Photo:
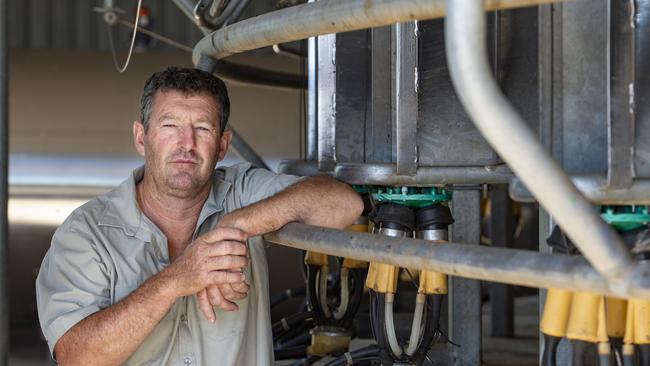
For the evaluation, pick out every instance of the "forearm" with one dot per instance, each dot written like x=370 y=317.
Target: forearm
x=112 y=335
x=319 y=201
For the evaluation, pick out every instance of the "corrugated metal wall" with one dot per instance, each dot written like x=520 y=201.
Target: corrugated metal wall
x=74 y=24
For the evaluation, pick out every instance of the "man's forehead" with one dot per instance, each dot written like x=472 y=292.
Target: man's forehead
x=165 y=102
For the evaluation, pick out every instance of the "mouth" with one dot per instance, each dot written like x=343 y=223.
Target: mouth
x=183 y=161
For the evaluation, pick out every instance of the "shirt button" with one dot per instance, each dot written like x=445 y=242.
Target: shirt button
x=187 y=361
x=184 y=320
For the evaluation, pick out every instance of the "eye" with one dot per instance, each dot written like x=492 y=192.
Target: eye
x=168 y=125
x=203 y=129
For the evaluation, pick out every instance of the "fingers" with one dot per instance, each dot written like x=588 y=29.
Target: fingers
x=217 y=299
x=234 y=291
x=222 y=277
x=227 y=247
x=240 y=287
x=227 y=262
x=223 y=233
x=206 y=306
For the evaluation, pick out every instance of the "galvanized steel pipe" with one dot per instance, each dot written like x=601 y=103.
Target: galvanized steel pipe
x=516 y=143
x=325 y=17
x=517 y=267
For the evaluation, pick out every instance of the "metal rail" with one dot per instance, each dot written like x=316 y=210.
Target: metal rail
x=510 y=136
x=595 y=188
x=325 y=17
x=517 y=267
x=386 y=174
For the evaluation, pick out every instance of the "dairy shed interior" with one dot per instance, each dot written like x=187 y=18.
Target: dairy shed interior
x=501 y=148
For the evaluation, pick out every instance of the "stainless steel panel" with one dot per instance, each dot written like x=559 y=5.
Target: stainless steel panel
x=642 y=90
x=621 y=94
x=585 y=59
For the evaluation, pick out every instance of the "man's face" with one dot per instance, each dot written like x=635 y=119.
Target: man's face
x=183 y=142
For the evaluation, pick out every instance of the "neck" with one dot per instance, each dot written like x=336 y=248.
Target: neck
x=175 y=216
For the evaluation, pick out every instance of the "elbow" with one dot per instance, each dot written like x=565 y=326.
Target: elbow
x=357 y=205
x=352 y=207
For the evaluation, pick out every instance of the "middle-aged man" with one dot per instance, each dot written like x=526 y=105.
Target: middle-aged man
x=157 y=272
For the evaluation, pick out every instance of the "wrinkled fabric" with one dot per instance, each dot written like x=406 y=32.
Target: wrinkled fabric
x=106 y=248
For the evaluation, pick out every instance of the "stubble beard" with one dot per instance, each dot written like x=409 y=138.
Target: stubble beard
x=177 y=181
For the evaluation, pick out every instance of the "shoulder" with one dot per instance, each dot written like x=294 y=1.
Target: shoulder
x=234 y=172
x=84 y=216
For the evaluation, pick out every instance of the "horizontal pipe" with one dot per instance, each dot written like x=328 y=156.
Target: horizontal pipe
x=595 y=189
x=385 y=174
x=507 y=132
x=512 y=266
x=325 y=17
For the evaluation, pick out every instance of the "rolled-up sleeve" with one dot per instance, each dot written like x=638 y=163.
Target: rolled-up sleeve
x=258 y=184
x=73 y=282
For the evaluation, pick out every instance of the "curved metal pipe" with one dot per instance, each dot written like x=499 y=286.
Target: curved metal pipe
x=324 y=17
x=512 y=266
x=242 y=73
x=509 y=135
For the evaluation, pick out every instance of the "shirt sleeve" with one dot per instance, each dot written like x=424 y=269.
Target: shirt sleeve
x=72 y=283
x=257 y=184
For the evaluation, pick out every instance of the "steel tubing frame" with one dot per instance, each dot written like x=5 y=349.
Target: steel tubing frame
x=509 y=135
x=512 y=266
x=325 y=17
x=386 y=174
x=595 y=189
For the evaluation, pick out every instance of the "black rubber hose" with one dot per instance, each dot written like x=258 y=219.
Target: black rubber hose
x=295 y=331
x=629 y=360
x=549 y=354
x=357 y=279
x=291 y=321
x=378 y=315
x=617 y=350
x=433 y=307
x=290 y=353
x=361 y=354
x=300 y=340
x=313 y=273
x=306 y=361
x=583 y=353
x=287 y=294
x=644 y=353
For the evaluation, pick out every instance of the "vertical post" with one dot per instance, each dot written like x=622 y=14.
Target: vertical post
x=405 y=84
x=501 y=231
x=312 y=98
x=326 y=102
x=4 y=190
x=465 y=294
x=551 y=73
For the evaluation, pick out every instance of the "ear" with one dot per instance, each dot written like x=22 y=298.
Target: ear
x=138 y=137
x=224 y=143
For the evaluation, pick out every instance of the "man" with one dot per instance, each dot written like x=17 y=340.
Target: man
x=156 y=272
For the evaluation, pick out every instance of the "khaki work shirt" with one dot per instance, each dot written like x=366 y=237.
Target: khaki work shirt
x=107 y=248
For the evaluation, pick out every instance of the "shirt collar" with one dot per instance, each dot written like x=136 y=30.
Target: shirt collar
x=122 y=209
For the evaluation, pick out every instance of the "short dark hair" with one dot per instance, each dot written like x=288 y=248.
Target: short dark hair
x=188 y=81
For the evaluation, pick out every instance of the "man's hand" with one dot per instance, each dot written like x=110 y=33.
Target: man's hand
x=224 y=295
x=215 y=258
x=221 y=296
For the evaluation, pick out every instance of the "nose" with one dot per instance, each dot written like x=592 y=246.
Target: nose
x=187 y=138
